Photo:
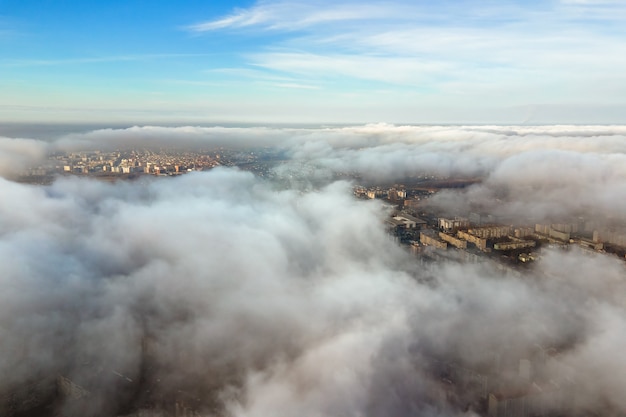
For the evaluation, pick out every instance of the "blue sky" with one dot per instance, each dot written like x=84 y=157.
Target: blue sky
x=416 y=61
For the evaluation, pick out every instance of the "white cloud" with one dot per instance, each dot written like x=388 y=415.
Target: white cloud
x=295 y=86
x=16 y=155
x=594 y=2
x=90 y=60
x=263 y=300
x=549 y=171
x=509 y=54
x=296 y=15
x=395 y=70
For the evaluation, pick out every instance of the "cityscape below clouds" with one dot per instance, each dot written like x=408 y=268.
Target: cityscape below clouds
x=278 y=208
x=358 y=270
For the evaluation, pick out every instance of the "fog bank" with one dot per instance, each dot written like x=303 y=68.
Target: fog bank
x=258 y=301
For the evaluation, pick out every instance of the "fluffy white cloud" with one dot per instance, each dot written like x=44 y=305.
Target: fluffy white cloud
x=536 y=172
x=258 y=301
x=16 y=155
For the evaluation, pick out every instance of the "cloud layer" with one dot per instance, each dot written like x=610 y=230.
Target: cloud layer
x=258 y=302
x=234 y=297
x=532 y=173
x=19 y=154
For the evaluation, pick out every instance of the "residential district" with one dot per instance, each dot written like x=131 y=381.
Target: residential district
x=124 y=164
x=506 y=385
x=484 y=236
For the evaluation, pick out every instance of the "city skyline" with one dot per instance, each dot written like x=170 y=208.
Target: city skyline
x=520 y=62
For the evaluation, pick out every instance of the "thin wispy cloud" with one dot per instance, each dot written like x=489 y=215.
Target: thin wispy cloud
x=509 y=51
x=252 y=74
x=607 y=11
x=91 y=60
x=593 y=2
x=295 y=86
x=397 y=70
x=298 y=15
x=306 y=16
x=379 y=60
